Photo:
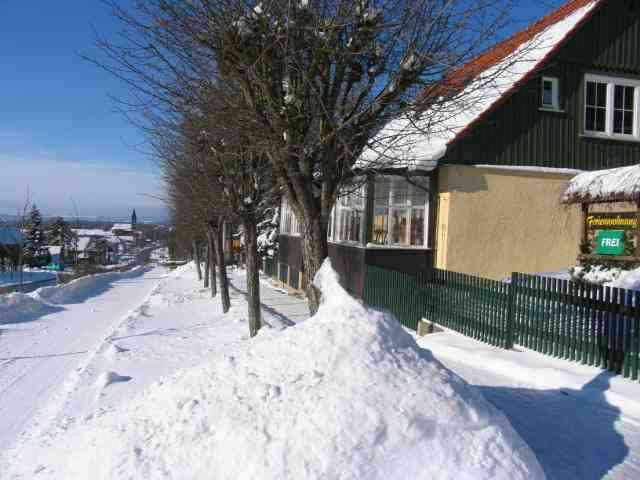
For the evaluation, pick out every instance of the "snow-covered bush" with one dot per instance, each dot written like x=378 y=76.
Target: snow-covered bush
x=268 y=235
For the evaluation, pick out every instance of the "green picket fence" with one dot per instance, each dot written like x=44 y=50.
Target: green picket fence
x=594 y=325
x=270 y=267
x=473 y=306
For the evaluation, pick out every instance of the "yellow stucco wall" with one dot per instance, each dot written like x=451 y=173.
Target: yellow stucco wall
x=492 y=222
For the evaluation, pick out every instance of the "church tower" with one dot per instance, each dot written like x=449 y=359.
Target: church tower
x=134 y=219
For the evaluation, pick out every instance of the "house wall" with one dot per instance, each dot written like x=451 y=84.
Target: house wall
x=350 y=261
x=518 y=132
x=492 y=222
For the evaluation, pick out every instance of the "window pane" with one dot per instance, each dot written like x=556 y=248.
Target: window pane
x=380 y=231
x=590 y=120
x=419 y=191
x=547 y=92
x=628 y=100
x=382 y=190
x=617 y=121
x=400 y=191
x=628 y=123
x=601 y=116
x=623 y=110
x=591 y=93
x=417 y=226
x=602 y=95
x=354 y=224
x=618 y=97
x=398 y=227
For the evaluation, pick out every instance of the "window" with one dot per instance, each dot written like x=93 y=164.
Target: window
x=400 y=211
x=596 y=107
x=289 y=223
x=611 y=106
x=550 y=93
x=348 y=215
x=623 y=110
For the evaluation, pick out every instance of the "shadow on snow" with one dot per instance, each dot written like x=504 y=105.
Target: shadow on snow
x=572 y=432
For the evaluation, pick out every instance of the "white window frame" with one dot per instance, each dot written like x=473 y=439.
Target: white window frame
x=611 y=83
x=555 y=93
x=335 y=233
x=289 y=224
x=390 y=206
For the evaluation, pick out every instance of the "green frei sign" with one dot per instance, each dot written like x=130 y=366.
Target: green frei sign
x=610 y=242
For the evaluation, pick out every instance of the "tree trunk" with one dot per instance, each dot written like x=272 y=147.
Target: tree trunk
x=223 y=281
x=196 y=258
x=207 y=263
x=212 y=264
x=314 y=250
x=253 y=278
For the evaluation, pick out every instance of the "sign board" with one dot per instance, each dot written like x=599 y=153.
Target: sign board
x=610 y=242
x=612 y=221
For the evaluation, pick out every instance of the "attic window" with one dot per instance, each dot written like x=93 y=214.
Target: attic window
x=550 y=93
x=610 y=107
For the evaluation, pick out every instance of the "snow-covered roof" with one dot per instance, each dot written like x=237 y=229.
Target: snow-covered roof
x=122 y=226
x=92 y=232
x=418 y=143
x=83 y=243
x=614 y=185
x=54 y=250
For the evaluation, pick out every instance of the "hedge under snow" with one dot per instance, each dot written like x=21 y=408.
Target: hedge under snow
x=346 y=395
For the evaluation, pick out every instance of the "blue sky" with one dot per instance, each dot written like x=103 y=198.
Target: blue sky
x=60 y=136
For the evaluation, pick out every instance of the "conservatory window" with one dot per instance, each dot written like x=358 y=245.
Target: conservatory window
x=611 y=106
x=400 y=211
x=289 y=223
x=347 y=216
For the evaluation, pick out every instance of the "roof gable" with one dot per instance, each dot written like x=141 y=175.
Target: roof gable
x=476 y=90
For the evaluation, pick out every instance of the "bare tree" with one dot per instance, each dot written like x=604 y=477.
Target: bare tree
x=319 y=78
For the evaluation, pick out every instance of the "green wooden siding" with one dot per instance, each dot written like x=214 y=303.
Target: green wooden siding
x=519 y=133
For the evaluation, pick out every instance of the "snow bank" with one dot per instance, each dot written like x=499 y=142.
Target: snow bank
x=614 y=184
x=627 y=279
x=609 y=276
x=21 y=307
x=84 y=287
x=345 y=395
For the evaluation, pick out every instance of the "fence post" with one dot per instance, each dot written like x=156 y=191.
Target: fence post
x=511 y=313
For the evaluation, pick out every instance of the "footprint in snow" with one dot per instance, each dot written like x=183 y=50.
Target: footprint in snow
x=108 y=378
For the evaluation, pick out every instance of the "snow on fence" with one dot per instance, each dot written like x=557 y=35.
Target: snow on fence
x=594 y=325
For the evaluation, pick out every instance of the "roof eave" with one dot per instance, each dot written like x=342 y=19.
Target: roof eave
x=526 y=78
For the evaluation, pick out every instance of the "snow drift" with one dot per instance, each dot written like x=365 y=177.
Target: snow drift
x=85 y=287
x=21 y=307
x=346 y=395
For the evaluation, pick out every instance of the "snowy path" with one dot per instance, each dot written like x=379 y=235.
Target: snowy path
x=149 y=327
x=37 y=358
x=580 y=422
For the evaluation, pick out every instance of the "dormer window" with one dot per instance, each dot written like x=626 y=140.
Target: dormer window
x=550 y=93
x=610 y=107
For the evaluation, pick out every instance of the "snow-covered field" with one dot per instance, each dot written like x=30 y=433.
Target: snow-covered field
x=176 y=390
